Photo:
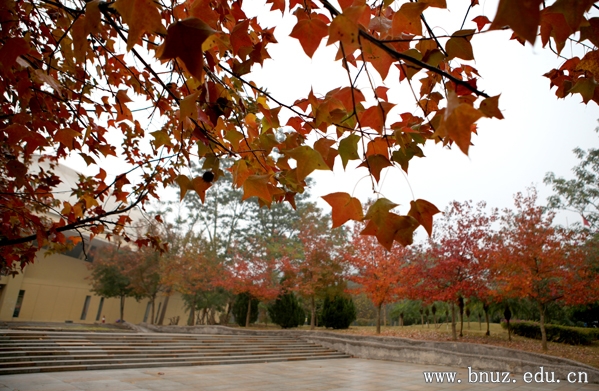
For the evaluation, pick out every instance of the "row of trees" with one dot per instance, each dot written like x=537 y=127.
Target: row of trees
x=224 y=248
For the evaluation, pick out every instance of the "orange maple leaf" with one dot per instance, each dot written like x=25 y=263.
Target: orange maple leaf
x=345 y=208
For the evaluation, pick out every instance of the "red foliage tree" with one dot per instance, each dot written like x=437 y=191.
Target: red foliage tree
x=381 y=274
x=257 y=276
x=452 y=267
x=540 y=261
x=319 y=266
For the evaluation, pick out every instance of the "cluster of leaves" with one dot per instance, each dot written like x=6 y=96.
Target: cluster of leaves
x=71 y=73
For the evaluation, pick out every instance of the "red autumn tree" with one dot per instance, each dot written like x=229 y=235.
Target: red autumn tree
x=255 y=275
x=542 y=262
x=81 y=78
x=381 y=274
x=319 y=265
x=452 y=267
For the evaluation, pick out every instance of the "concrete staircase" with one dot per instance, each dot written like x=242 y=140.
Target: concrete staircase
x=46 y=351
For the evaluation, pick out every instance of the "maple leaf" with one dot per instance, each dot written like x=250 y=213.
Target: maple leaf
x=257 y=186
x=378 y=58
x=66 y=137
x=490 y=107
x=348 y=149
x=344 y=30
x=184 y=185
x=141 y=16
x=590 y=63
x=458 y=121
x=377 y=212
x=523 y=16
x=310 y=32
x=392 y=228
x=423 y=211
x=481 y=21
x=374 y=117
x=184 y=40
x=375 y=163
x=307 y=160
x=407 y=19
x=345 y=208
x=459 y=45
x=200 y=186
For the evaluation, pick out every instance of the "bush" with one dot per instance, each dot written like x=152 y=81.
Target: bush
x=287 y=311
x=240 y=309
x=555 y=333
x=338 y=312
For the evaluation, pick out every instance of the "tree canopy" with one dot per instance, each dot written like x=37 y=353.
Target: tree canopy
x=162 y=84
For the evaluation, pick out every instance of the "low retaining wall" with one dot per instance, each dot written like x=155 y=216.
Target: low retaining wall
x=456 y=354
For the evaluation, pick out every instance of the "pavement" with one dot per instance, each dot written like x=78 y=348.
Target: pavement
x=350 y=374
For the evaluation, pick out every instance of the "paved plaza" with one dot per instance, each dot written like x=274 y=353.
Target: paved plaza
x=350 y=374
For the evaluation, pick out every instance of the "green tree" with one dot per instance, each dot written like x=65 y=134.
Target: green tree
x=338 y=312
x=580 y=194
x=287 y=311
x=240 y=309
x=109 y=278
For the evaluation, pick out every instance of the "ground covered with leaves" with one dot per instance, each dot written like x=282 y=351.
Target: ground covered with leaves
x=499 y=337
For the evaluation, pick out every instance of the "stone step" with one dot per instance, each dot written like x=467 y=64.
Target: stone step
x=157 y=354
x=166 y=360
x=29 y=352
x=155 y=364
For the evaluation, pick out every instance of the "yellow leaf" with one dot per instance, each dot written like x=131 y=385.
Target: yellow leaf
x=141 y=16
x=307 y=160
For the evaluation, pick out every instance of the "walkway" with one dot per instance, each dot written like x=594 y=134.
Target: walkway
x=332 y=375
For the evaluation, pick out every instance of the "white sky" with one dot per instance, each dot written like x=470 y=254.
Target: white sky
x=537 y=135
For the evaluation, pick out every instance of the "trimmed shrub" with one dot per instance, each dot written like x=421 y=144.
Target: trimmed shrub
x=338 y=312
x=240 y=309
x=287 y=311
x=555 y=333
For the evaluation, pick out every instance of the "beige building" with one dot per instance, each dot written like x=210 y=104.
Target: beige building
x=56 y=288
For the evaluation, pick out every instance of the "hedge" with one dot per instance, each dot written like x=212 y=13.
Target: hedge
x=555 y=333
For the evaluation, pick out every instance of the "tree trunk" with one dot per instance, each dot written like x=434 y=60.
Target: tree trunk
x=122 y=308
x=247 y=316
x=378 y=319
x=542 y=324
x=461 y=305
x=313 y=310
x=163 y=311
x=385 y=315
x=192 y=315
x=454 y=334
x=480 y=322
x=401 y=319
x=153 y=301
x=486 y=309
